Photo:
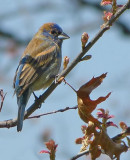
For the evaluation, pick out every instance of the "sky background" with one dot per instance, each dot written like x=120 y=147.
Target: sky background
x=22 y=19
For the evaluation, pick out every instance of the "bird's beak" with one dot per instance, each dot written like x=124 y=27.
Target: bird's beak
x=63 y=36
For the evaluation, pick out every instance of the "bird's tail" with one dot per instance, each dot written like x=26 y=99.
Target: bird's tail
x=20 y=119
x=22 y=102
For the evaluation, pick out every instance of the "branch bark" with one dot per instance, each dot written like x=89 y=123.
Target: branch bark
x=80 y=155
x=60 y=110
x=42 y=98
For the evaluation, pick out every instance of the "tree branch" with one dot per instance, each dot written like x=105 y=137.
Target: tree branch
x=80 y=155
x=60 y=110
x=13 y=37
x=2 y=95
x=42 y=98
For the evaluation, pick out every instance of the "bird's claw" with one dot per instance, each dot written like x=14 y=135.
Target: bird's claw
x=58 y=80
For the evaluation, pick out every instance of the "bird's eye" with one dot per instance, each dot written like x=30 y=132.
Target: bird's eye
x=59 y=32
x=53 y=32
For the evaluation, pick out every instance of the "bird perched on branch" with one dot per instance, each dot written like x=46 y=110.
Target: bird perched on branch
x=39 y=65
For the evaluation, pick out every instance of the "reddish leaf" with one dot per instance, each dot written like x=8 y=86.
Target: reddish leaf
x=123 y=126
x=104 y=114
x=51 y=145
x=106 y=2
x=110 y=123
x=107 y=16
x=44 y=151
x=102 y=110
x=78 y=140
x=88 y=87
x=85 y=104
x=84 y=128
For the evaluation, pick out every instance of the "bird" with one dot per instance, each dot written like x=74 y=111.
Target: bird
x=38 y=66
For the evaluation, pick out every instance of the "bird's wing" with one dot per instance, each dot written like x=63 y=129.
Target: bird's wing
x=30 y=69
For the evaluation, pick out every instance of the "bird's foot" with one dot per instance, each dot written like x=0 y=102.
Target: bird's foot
x=55 y=78
x=58 y=80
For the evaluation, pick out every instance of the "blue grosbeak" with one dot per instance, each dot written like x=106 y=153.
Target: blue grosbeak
x=39 y=65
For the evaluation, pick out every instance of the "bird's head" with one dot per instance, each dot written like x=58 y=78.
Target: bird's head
x=53 y=31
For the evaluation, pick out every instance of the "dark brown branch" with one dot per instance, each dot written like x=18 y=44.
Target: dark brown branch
x=80 y=155
x=60 y=110
x=122 y=135
x=13 y=37
x=42 y=98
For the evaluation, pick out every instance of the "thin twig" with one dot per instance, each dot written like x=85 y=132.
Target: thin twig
x=42 y=98
x=80 y=155
x=122 y=135
x=60 y=110
x=69 y=85
x=2 y=98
